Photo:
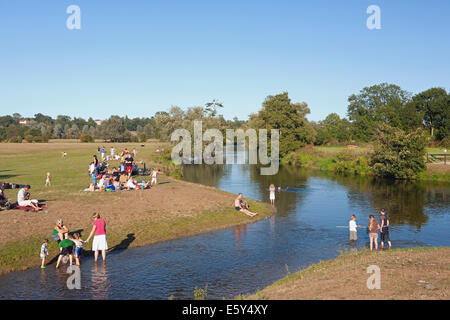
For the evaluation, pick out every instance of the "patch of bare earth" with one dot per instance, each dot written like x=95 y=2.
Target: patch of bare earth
x=437 y=168
x=421 y=273
x=166 y=201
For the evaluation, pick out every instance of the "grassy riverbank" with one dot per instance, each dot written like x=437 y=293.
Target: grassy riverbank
x=417 y=273
x=344 y=161
x=172 y=209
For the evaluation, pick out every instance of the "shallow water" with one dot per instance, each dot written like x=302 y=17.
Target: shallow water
x=244 y=259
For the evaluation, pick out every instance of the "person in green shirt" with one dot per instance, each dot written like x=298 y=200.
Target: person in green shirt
x=66 y=248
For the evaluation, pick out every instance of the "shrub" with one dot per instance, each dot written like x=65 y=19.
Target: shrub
x=29 y=138
x=143 y=137
x=398 y=154
x=86 y=138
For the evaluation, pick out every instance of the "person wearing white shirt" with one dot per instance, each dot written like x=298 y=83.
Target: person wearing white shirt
x=352 y=227
x=130 y=184
x=24 y=201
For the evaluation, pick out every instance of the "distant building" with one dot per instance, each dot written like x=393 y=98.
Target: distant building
x=23 y=121
x=99 y=122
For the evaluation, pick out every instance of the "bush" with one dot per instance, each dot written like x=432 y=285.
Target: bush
x=398 y=154
x=86 y=138
x=29 y=138
x=38 y=139
x=143 y=137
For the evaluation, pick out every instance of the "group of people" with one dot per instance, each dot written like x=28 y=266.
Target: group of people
x=107 y=179
x=373 y=228
x=71 y=245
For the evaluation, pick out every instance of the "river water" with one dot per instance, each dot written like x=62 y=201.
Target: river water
x=244 y=259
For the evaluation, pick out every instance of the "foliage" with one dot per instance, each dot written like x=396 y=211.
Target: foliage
x=398 y=154
x=86 y=138
x=290 y=118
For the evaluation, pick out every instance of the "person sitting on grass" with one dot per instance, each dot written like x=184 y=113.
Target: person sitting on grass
x=23 y=199
x=130 y=184
x=3 y=199
x=238 y=206
x=66 y=249
x=44 y=253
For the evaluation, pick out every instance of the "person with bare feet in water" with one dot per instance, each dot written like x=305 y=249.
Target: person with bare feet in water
x=238 y=206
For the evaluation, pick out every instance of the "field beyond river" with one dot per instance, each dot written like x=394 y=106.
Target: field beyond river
x=169 y=210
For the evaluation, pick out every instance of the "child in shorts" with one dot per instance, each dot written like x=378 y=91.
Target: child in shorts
x=352 y=227
x=79 y=243
x=44 y=252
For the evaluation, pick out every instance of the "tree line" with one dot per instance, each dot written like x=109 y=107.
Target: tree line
x=384 y=103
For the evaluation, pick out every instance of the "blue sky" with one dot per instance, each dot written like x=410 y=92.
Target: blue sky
x=138 y=57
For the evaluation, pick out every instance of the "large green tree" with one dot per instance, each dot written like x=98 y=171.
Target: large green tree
x=382 y=103
x=434 y=106
x=278 y=112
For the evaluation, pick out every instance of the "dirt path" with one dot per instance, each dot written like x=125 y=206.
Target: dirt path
x=419 y=273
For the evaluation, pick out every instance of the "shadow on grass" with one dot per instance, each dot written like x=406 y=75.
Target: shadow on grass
x=7 y=176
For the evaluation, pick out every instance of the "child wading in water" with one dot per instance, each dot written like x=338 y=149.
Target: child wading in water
x=272 y=194
x=79 y=243
x=373 y=232
x=44 y=252
x=66 y=249
x=352 y=227
x=384 y=229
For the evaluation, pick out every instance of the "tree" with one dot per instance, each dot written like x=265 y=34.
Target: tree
x=290 y=118
x=398 y=154
x=381 y=103
x=434 y=105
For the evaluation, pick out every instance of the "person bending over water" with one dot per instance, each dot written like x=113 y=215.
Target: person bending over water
x=238 y=206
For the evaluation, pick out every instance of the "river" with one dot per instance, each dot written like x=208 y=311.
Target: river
x=244 y=259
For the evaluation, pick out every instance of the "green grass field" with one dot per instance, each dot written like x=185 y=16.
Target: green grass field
x=29 y=164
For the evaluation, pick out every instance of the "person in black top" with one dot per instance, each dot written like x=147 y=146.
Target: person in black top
x=129 y=164
x=384 y=229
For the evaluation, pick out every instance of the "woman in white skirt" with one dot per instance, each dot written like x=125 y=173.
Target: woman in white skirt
x=99 y=232
x=272 y=194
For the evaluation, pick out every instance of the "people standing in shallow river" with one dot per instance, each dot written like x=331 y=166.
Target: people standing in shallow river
x=384 y=229
x=272 y=194
x=100 y=243
x=238 y=206
x=373 y=232
x=352 y=227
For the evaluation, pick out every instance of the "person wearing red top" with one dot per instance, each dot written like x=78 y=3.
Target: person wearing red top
x=99 y=232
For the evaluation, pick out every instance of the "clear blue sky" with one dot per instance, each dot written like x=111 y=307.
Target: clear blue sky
x=138 y=57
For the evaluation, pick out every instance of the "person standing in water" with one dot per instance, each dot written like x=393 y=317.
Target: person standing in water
x=384 y=229
x=100 y=243
x=352 y=227
x=373 y=232
x=272 y=194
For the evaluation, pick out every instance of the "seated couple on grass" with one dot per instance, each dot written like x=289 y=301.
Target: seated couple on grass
x=242 y=206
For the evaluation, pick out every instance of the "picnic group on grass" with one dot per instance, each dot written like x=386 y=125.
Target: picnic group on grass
x=104 y=178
